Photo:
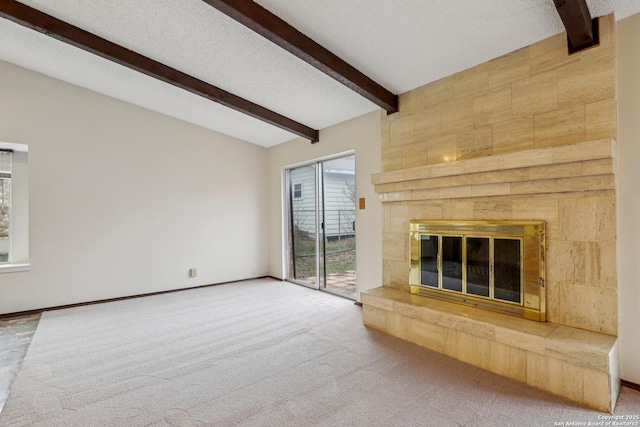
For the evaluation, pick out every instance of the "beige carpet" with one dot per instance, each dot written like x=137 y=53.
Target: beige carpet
x=257 y=353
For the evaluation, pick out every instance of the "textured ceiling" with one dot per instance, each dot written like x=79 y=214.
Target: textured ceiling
x=401 y=45
x=406 y=44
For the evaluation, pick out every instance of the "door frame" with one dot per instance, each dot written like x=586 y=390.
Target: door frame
x=287 y=197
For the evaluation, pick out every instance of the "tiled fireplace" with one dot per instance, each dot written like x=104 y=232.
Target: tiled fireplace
x=529 y=136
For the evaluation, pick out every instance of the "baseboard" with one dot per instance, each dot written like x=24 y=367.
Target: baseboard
x=81 y=304
x=631 y=385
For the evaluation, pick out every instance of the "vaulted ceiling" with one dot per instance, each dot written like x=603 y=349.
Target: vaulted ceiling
x=399 y=44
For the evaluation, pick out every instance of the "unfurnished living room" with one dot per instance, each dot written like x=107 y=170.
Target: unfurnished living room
x=319 y=213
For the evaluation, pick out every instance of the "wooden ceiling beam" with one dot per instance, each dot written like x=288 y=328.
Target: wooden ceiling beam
x=582 y=31
x=270 y=26
x=60 y=30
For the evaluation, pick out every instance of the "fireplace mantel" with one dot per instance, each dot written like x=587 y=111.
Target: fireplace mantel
x=586 y=166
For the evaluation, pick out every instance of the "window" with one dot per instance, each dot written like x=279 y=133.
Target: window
x=14 y=207
x=297 y=191
x=5 y=204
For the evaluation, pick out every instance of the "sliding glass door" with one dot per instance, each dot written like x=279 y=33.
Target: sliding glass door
x=303 y=220
x=321 y=228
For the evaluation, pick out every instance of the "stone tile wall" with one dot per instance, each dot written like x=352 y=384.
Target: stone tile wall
x=535 y=98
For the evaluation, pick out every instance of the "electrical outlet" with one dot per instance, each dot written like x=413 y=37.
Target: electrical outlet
x=193 y=272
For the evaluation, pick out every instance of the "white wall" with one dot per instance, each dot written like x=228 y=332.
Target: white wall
x=362 y=135
x=124 y=200
x=628 y=195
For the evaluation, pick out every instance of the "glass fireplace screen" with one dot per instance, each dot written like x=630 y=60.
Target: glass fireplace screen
x=492 y=265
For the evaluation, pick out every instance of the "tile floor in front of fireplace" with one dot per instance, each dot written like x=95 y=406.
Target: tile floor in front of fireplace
x=15 y=336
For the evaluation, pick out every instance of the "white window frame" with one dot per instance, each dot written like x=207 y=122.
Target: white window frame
x=19 y=220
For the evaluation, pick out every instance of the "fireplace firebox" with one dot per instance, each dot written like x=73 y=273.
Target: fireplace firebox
x=493 y=265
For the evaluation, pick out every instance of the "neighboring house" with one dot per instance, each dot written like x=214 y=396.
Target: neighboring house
x=339 y=202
